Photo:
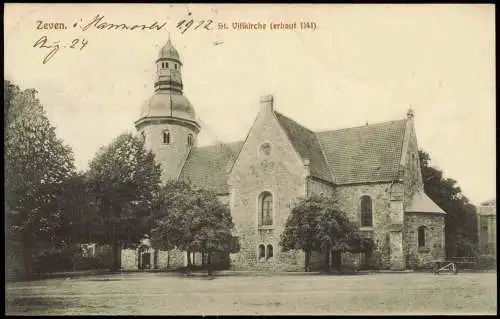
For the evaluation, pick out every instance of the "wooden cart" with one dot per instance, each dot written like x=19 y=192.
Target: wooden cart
x=451 y=265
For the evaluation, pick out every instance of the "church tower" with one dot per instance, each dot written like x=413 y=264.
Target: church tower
x=167 y=121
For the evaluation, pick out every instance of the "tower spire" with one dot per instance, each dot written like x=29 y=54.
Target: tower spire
x=168 y=69
x=410 y=114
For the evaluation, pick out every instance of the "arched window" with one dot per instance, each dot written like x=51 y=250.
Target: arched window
x=262 y=251
x=269 y=251
x=175 y=65
x=421 y=236
x=190 y=139
x=166 y=137
x=166 y=65
x=266 y=209
x=366 y=211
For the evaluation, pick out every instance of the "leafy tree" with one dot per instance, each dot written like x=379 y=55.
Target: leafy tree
x=170 y=220
x=75 y=208
x=316 y=224
x=193 y=220
x=37 y=164
x=123 y=182
x=211 y=226
x=460 y=221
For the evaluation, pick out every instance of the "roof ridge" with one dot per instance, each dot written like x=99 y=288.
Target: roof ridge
x=329 y=167
x=359 y=126
x=218 y=144
x=295 y=122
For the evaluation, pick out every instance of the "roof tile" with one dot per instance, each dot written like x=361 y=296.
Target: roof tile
x=367 y=153
x=306 y=143
x=207 y=166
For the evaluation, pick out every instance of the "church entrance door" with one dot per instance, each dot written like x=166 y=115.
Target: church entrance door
x=144 y=258
x=146 y=261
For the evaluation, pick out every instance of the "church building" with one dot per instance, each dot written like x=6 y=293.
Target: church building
x=372 y=170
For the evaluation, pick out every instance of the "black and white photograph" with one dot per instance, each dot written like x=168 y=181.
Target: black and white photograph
x=249 y=159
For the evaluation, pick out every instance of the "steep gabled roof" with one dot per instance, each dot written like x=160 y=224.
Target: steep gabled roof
x=421 y=203
x=367 y=153
x=370 y=153
x=306 y=144
x=207 y=166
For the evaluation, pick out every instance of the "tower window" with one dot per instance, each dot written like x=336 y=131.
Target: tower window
x=175 y=65
x=421 y=237
x=190 y=139
x=266 y=209
x=166 y=65
x=366 y=211
x=166 y=137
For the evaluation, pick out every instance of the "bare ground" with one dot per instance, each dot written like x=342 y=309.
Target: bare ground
x=163 y=294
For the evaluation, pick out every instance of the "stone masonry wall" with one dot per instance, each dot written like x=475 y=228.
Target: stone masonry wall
x=170 y=259
x=315 y=187
x=434 y=238
x=412 y=176
x=349 y=199
x=171 y=156
x=129 y=259
x=281 y=173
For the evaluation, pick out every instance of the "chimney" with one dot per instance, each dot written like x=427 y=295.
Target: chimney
x=266 y=103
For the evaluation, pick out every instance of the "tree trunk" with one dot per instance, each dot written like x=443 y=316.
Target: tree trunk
x=209 y=263
x=116 y=255
x=336 y=259
x=307 y=260
x=168 y=259
x=327 y=260
x=188 y=259
x=26 y=262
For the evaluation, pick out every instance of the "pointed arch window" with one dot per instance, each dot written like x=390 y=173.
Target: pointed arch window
x=166 y=137
x=421 y=236
x=270 y=252
x=262 y=251
x=266 y=209
x=366 y=211
x=190 y=139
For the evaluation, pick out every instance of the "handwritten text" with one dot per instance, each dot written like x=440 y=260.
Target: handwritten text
x=55 y=46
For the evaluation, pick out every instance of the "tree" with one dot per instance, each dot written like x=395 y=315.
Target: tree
x=211 y=226
x=316 y=224
x=37 y=164
x=170 y=224
x=460 y=221
x=124 y=181
x=193 y=220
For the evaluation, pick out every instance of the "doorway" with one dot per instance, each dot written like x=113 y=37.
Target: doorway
x=144 y=258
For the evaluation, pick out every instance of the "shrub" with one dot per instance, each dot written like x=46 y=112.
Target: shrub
x=412 y=261
x=52 y=260
x=100 y=261
x=486 y=262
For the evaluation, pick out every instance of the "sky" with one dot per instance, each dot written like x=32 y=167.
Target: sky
x=361 y=64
